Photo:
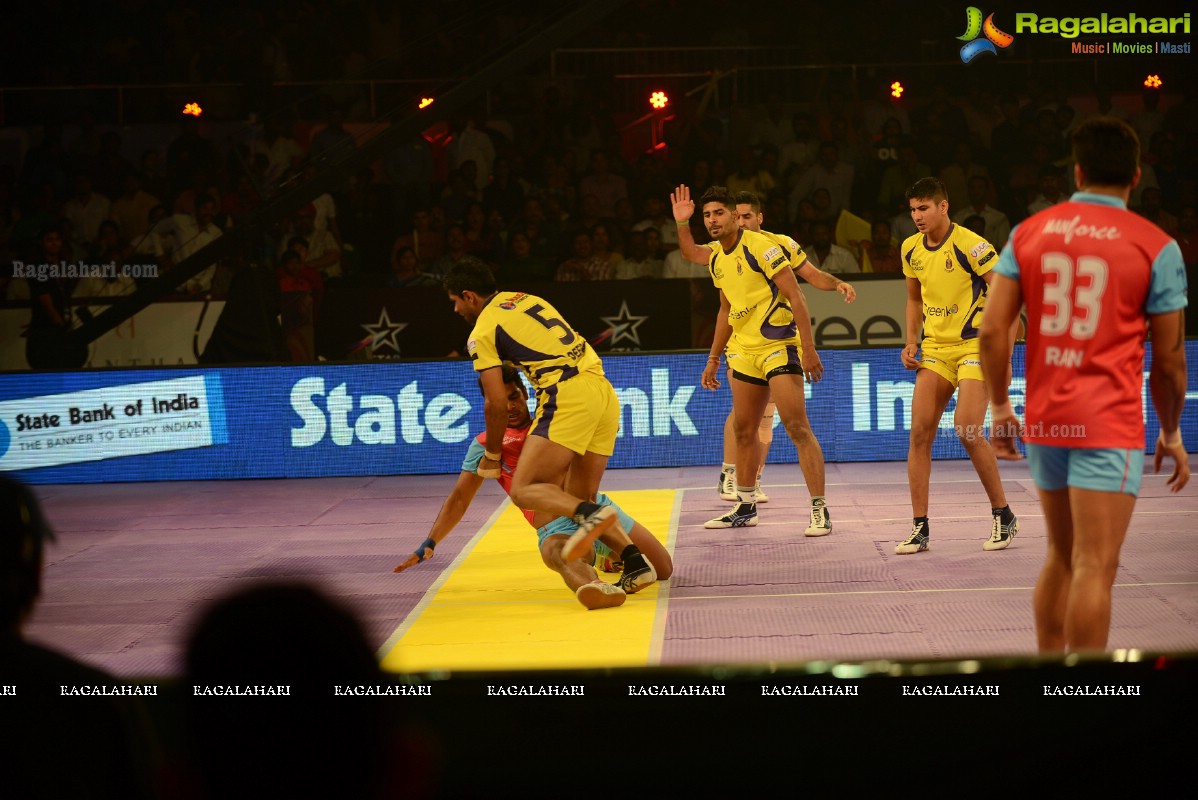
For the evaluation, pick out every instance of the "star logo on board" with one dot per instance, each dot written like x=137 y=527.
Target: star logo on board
x=383 y=332
x=624 y=325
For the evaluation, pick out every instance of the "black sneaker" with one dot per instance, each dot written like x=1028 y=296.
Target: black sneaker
x=743 y=516
x=638 y=574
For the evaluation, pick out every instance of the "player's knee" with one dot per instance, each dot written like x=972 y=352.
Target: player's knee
x=970 y=435
x=664 y=569
x=922 y=436
x=799 y=431
x=551 y=553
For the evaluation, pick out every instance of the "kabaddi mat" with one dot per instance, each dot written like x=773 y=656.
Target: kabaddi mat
x=135 y=564
x=498 y=607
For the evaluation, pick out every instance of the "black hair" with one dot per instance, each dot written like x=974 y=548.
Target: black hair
x=927 y=189
x=470 y=276
x=1107 y=150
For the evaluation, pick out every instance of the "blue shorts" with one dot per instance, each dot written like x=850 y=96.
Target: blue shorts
x=564 y=526
x=1098 y=469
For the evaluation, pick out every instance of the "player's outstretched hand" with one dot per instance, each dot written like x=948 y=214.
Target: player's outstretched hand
x=423 y=553
x=813 y=368
x=846 y=289
x=911 y=356
x=684 y=207
x=410 y=561
x=1175 y=449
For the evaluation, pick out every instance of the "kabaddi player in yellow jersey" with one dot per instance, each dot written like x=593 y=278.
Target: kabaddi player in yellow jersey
x=948 y=269
x=578 y=414
x=765 y=327
x=749 y=216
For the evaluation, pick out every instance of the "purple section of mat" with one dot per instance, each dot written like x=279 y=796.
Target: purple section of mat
x=135 y=564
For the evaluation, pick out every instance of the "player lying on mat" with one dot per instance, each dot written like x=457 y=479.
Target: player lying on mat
x=552 y=532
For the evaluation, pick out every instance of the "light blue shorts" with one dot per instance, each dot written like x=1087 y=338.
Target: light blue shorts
x=564 y=526
x=1098 y=469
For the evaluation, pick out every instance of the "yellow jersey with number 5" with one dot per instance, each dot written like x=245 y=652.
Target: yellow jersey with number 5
x=527 y=331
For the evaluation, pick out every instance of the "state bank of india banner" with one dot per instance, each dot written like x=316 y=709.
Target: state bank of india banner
x=408 y=418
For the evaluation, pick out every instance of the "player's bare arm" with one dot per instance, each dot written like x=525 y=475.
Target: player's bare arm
x=1167 y=383
x=1003 y=301
x=723 y=332
x=788 y=285
x=914 y=319
x=825 y=281
x=684 y=209
x=451 y=513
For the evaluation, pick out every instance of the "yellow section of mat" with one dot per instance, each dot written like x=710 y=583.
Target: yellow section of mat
x=502 y=608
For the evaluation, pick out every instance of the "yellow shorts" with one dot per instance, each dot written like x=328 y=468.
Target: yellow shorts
x=953 y=362
x=581 y=413
x=758 y=363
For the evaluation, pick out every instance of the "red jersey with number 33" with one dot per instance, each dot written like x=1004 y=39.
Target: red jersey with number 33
x=1086 y=271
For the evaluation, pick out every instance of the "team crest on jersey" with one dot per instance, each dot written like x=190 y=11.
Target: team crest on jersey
x=510 y=305
x=948 y=262
x=978 y=249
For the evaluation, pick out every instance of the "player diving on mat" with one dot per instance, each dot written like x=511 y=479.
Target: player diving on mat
x=552 y=532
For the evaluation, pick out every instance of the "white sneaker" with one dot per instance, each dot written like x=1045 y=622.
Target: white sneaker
x=917 y=542
x=600 y=595
x=760 y=496
x=589 y=529
x=727 y=486
x=821 y=522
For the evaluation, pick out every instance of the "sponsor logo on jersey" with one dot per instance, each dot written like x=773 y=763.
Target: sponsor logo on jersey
x=772 y=254
x=510 y=305
x=987 y=257
x=979 y=248
x=939 y=311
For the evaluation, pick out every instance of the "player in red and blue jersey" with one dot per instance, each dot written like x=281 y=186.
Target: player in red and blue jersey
x=1094 y=277
x=552 y=532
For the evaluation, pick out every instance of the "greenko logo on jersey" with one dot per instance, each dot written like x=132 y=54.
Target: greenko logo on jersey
x=994 y=38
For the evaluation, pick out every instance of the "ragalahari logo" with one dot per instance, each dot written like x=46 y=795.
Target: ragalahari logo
x=974 y=26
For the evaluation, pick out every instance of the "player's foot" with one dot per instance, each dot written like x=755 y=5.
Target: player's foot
x=727 y=486
x=590 y=528
x=743 y=516
x=917 y=542
x=600 y=595
x=760 y=496
x=1001 y=535
x=821 y=521
x=638 y=574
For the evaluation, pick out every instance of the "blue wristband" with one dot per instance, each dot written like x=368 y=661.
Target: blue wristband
x=427 y=543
